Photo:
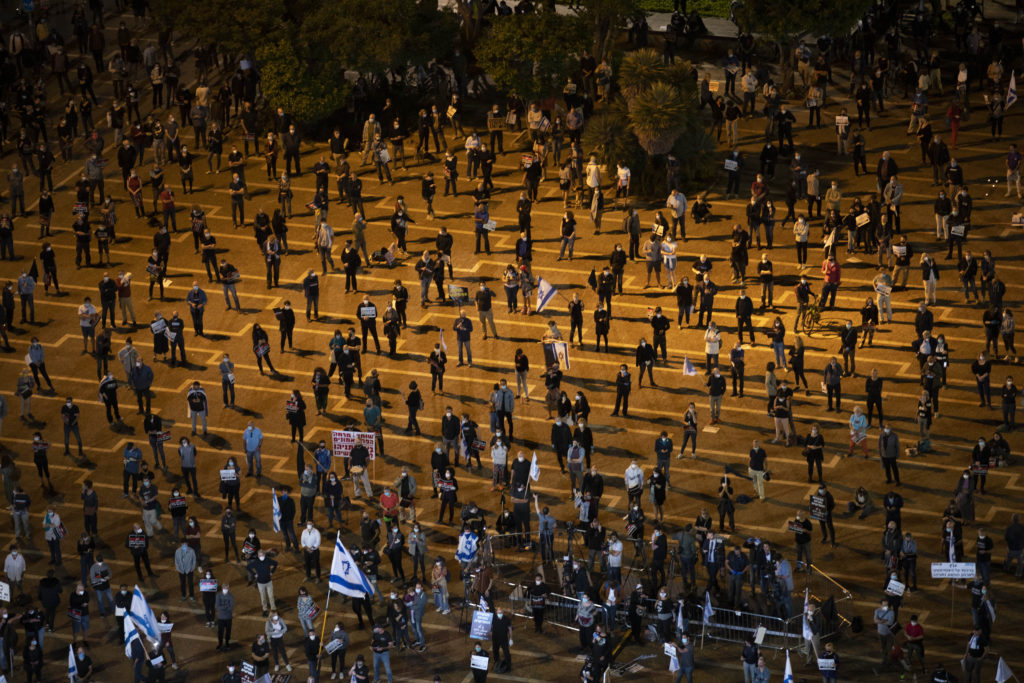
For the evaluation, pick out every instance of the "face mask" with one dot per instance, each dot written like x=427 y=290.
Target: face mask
x=224 y=591
x=163 y=620
x=662 y=595
x=81 y=656
x=394 y=596
x=537 y=581
x=262 y=557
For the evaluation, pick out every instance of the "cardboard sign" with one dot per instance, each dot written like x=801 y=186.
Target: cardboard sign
x=479 y=662
x=480 y=629
x=458 y=293
x=842 y=121
x=333 y=646
x=343 y=441
x=883 y=289
x=819 y=509
x=895 y=587
x=826 y=665
x=5 y=591
x=207 y=585
x=953 y=570
x=899 y=250
x=228 y=475
x=731 y=165
x=368 y=312
x=957 y=230
x=862 y=219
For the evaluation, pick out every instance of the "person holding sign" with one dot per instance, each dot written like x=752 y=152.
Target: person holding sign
x=479 y=661
x=261 y=348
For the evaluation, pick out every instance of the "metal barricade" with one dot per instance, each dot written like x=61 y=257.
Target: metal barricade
x=561 y=611
x=835 y=601
x=736 y=627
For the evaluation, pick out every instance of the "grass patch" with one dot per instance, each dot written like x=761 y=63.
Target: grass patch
x=706 y=8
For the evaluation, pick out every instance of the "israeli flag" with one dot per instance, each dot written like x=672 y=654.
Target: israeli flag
x=560 y=352
x=72 y=664
x=788 y=676
x=141 y=612
x=535 y=468
x=1011 y=91
x=130 y=635
x=346 y=577
x=709 y=611
x=466 y=551
x=276 y=514
x=545 y=292
x=808 y=634
x=688 y=368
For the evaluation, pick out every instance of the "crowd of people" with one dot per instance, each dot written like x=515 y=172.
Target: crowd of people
x=220 y=109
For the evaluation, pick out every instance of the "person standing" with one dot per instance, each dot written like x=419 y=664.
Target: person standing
x=261 y=569
x=310 y=542
x=224 y=606
x=889 y=451
x=756 y=468
x=185 y=562
x=69 y=414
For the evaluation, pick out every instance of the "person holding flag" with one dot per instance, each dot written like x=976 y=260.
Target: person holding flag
x=545 y=293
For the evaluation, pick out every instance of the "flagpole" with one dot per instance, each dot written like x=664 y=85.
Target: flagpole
x=323 y=628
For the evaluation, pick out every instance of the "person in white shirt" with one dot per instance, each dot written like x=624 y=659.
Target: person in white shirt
x=87 y=319
x=622 y=178
x=593 y=177
x=14 y=567
x=310 y=542
x=634 y=479
x=677 y=202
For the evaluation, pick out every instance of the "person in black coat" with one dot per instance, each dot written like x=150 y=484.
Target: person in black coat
x=645 y=357
x=622 y=389
x=261 y=348
x=295 y=409
x=414 y=403
x=286 y=324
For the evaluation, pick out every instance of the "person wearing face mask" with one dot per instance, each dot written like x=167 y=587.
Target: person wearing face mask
x=78 y=610
x=889 y=451
x=275 y=629
x=501 y=640
x=310 y=543
x=261 y=570
x=479 y=663
x=980 y=461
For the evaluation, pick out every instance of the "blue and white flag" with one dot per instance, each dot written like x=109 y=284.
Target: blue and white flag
x=788 y=676
x=346 y=576
x=1011 y=91
x=807 y=632
x=276 y=511
x=466 y=552
x=688 y=368
x=709 y=611
x=444 y=347
x=535 y=468
x=545 y=292
x=72 y=664
x=130 y=635
x=141 y=613
x=557 y=351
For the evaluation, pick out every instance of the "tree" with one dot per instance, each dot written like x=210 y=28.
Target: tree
x=655 y=114
x=786 y=21
x=308 y=89
x=372 y=37
x=530 y=54
x=605 y=18
x=236 y=28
